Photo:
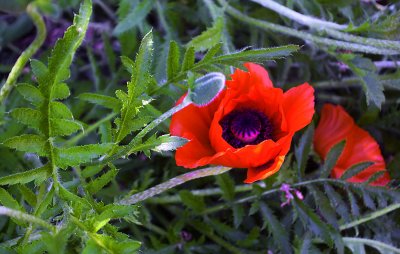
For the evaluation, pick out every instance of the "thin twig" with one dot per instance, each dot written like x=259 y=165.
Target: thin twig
x=171 y=183
x=28 y=52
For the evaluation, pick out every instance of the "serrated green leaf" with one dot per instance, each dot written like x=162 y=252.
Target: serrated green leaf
x=135 y=17
x=76 y=155
x=211 y=53
x=136 y=87
x=255 y=207
x=102 y=100
x=355 y=210
x=97 y=184
x=238 y=215
x=337 y=201
x=128 y=63
x=366 y=70
x=44 y=203
x=91 y=247
x=280 y=234
x=105 y=131
x=7 y=200
x=375 y=176
x=38 y=174
x=60 y=92
x=65 y=48
x=209 y=37
x=324 y=206
x=368 y=200
x=40 y=70
x=355 y=169
x=303 y=149
x=28 y=143
x=188 y=59
x=111 y=245
x=28 y=195
x=63 y=127
x=90 y=171
x=113 y=212
x=71 y=197
x=196 y=203
x=227 y=185
x=30 y=117
x=256 y=55
x=60 y=110
x=173 y=60
x=30 y=93
x=313 y=222
x=122 y=96
x=207 y=88
x=331 y=159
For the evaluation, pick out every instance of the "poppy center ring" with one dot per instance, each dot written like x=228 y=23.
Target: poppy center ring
x=245 y=127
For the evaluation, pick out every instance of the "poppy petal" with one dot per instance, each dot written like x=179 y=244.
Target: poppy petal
x=298 y=106
x=336 y=125
x=242 y=81
x=193 y=123
x=262 y=172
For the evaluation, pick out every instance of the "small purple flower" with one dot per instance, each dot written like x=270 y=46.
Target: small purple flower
x=288 y=193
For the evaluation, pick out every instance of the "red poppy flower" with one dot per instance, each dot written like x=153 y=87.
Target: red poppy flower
x=336 y=125
x=249 y=125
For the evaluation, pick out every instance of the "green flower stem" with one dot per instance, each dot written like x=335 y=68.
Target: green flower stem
x=203 y=192
x=130 y=148
x=357 y=47
x=91 y=128
x=18 y=215
x=173 y=183
x=363 y=40
x=326 y=26
x=373 y=243
x=24 y=57
x=298 y=17
x=272 y=191
x=370 y=216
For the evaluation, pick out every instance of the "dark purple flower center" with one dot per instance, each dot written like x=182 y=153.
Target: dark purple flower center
x=245 y=127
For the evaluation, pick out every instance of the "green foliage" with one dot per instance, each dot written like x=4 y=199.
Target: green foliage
x=209 y=38
x=366 y=70
x=134 y=17
x=332 y=158
x=76 y=143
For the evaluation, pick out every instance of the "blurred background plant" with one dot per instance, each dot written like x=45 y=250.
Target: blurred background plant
x=69 y=164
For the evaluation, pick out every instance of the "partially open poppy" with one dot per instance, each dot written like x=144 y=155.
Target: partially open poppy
x=336 y=125
x=249 y=125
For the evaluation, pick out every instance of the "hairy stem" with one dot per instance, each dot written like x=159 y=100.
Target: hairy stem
x=307 y=36
x=370 y=216
x=28 y=52
x=328 y=27
x=298 y=17
x=204 y=193
x=18 y=215
x=130 y=148
x=173 y=183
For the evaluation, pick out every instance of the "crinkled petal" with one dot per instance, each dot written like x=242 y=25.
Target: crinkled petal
x=264 y=171
x=336 y=125
x=298 y=107
x=193 y=123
